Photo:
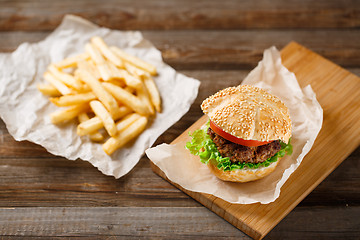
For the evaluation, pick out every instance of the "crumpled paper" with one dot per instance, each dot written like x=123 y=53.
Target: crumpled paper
x=25 y=110
x=306 y=114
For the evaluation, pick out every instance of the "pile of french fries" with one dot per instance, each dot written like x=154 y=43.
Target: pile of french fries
x=104 y=88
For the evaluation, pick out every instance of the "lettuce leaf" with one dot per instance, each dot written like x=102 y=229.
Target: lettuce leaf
x=201 y=145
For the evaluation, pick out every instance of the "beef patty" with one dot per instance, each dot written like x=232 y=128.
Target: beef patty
x=240 y=153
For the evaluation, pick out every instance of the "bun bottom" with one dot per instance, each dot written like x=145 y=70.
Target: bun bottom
x=242 y=175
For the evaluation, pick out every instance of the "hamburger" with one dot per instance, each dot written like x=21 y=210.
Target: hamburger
x=248 y=131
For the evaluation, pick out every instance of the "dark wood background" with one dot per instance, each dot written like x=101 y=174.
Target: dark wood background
x=217 y=42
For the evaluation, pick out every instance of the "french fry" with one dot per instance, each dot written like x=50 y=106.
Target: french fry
x=84 y=87
x=95 y=123
x=99 y=60
x=132 y=131
x=71 y=61
x=68 y=100
x=118 y=82
x=94 y=136
x=153 y=92
x=68 y=114
x=134 y=60
x=123 y=111
x=130 y=89
x=106 y=98
x=116 y=73
x=143 y=95
x=126 y=121
x=130 y=80
x=94 y=69
x=104 y=49
x=66 y=78
x=134 y=70
x=61 y=87
x=125 y=76
x=105 y=117
x=48 y=89
x=84 y=66
x=89 y=126
x=126 y=98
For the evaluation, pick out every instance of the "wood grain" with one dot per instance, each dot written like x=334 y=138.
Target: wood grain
x=337 y=92
x=229 y=50
x=104 y=221
x=146 y=222
x=180 y=14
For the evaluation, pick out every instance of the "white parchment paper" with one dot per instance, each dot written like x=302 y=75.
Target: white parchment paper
x=25 y=110
x=306 y=114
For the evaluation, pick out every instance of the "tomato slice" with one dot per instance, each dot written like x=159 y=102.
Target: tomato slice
x=228 y=136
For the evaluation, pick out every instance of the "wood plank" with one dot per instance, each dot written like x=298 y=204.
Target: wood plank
x=141 y=222
x=194 y=50
x=146 y=222
x=340 y=188
x=182 y=14
x=45 y=182
x=244 y=49
x=337 y=92
x=319 y=223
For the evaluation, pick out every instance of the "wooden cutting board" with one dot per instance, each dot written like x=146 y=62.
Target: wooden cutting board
x=338 y=92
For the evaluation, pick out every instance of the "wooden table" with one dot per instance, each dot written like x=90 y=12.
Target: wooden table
x=217 y=42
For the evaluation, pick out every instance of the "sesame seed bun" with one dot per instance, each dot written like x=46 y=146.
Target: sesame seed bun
x=249 y=113
x=242 y=175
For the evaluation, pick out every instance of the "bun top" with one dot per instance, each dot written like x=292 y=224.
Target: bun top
x=249 y=113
